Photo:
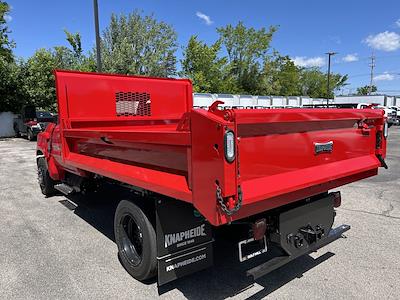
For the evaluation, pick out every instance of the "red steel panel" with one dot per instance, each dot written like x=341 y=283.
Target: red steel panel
x=179 y=152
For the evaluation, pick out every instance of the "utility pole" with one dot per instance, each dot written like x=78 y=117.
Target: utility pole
x=96 y=25
x=372 y=65
x=328 y=90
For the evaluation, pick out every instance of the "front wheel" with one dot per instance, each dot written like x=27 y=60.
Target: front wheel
x=46 y=183
x=31 y=136
x=17 y=133
x=136 y=240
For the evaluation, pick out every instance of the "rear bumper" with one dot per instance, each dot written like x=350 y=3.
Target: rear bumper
x=36 y=130
x=279 y=261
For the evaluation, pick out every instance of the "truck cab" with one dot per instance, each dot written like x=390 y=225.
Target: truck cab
x=390 y=113
x=31 y=122
x=397 y=109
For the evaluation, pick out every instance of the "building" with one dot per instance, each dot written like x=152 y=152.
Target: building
x=384 y=100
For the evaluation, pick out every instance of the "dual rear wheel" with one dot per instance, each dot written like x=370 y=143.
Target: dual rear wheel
x=136 y=240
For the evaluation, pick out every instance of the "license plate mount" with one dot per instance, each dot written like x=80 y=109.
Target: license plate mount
x=246 y=254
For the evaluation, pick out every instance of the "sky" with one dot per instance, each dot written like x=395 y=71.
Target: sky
x=307 y=29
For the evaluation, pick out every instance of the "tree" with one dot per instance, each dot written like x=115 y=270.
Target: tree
x=39 y=78
x=247 y=49
x=281 y=76
x=140 y=45
x=11 y=96
x=314 y=83
x=6 y=45
x=38 y=70
x=250 y=68
x=209 y=73
x=365 y=90
x=74 y=39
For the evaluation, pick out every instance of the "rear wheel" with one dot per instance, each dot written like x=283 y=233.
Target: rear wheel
x=136 y=240
x=46 y=183
x=30 y=134
x=17 y=133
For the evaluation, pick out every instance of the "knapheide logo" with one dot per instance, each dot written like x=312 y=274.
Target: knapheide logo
x=186 y=262
x=173 y=238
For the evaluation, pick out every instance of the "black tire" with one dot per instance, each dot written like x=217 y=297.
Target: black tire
x=30 y=135
x=17 y=133
x=46 y=183
x=136 y=240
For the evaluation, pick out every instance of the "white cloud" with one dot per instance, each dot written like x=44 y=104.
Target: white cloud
x=383 y=77
x=7 y=18
x=303 y=61
x=350 y=57
x=205 y=18
x=397 y=23
x=386 y=41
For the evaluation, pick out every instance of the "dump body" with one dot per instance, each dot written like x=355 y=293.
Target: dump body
x=145 y=133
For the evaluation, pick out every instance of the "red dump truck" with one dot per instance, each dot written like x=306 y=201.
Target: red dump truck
x=193 y=170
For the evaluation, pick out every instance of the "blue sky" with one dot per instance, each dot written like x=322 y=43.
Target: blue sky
x=307 y=29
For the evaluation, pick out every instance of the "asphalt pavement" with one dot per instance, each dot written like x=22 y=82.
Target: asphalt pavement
x=57 y=248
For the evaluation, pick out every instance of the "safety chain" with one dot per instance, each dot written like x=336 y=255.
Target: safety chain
x=221 y=202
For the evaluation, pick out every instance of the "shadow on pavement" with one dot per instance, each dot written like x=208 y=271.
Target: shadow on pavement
x=226 y=279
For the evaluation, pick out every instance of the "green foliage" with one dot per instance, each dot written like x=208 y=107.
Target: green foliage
x=39 y=84
x=39 y=78
x=12 y=94
x=141 y=45
x=74 y=39
x=10 y=78
x=247 y=49
x=249 y=68
x=208 y=72
x=314 y=83
x=281 y=76
x=365 y=90
x=6 y=45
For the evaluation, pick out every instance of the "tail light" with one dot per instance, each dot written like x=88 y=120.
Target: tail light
x=385 y=129
x=229 y=145
x=259 y=228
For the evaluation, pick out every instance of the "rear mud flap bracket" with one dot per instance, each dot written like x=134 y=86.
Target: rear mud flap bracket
x=279 y=261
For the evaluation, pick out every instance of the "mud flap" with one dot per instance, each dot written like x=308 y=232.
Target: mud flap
x=184 y=240
x=302 y=229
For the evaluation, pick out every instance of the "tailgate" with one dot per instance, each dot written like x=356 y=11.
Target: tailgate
x=283 y=155
x=283 y=151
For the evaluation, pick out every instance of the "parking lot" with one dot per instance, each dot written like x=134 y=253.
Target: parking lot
x=63 y=248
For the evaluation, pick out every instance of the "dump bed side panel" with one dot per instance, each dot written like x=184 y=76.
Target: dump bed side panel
x=126 y=128
x=90 y=96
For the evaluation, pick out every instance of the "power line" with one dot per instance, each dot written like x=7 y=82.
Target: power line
x=369 y=74
x=365 y=58
x=372 y=65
